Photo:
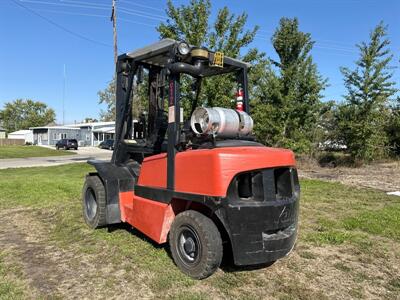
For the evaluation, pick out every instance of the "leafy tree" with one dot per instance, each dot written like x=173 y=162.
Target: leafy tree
x=363 y=116
x=288 y=105
x=22 y=114
x=108 y=97
x=191 y=23
x=89 y=120
x=227 y=34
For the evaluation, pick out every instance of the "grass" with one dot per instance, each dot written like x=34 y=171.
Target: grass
x=29 y=151
x=9 y=287
x=348 y=222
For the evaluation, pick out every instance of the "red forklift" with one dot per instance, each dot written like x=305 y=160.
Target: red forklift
x=200 y=183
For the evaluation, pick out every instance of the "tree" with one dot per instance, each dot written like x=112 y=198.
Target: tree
x=288 y=97
x=108 y=97
x=90 y=120
x=22 y=114
x=363 y=117
x=191 y=23
x=393 y=130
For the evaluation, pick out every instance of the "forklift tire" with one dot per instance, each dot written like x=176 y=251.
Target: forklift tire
x=94 y=202
x=196 y=244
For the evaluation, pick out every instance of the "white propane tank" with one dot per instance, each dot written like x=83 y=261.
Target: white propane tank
x=221 y=122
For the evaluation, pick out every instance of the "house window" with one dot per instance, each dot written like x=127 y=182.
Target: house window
x=54 y=136
x=63 y=135
x=87 y=137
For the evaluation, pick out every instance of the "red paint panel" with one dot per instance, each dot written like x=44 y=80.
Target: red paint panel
x=154 y=171
x=209 y=171
x=152 y=218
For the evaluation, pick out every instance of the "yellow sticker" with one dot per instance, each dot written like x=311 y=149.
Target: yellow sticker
x=218 y=59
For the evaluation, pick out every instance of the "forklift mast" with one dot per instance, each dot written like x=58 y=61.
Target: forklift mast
x=164 y=64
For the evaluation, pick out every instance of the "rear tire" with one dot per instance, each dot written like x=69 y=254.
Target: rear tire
x=196 y=244
x=94 y=202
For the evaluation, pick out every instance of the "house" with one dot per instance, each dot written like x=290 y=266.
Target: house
x=87 y=134
x=2 y=133
x=49 y=135
x=25 y=135
x=93 y=133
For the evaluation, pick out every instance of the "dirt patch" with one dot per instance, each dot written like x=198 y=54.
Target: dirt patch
x=309 y=272
x=50 y=271
x=381 y=176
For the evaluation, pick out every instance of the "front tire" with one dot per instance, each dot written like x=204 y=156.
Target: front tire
x=94 y=202
x=196 y=244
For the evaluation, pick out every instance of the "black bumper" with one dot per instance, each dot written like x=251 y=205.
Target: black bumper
x=262 y=230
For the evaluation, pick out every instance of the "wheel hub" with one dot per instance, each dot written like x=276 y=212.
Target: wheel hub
x=188 y=245
x=90 y=204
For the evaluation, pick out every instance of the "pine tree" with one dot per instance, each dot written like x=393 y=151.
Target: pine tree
x=363 y=117
x=288 y=104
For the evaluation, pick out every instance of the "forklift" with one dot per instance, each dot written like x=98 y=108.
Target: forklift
x=199 y=182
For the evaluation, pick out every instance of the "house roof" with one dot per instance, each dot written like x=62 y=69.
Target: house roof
x=2 y=129
x=91 y=124
x=54 y=127
x=23 y=131
x=105 y=130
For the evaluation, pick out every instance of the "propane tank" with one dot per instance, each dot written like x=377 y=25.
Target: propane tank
x=221 y=122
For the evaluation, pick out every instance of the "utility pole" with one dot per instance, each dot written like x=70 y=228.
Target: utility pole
x=63 y=97
x=114 y=20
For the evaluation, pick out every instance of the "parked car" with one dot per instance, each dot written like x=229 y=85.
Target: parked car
x=107 y=144
x=67 y=144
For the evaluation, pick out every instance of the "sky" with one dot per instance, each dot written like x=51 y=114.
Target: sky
x=39 y=40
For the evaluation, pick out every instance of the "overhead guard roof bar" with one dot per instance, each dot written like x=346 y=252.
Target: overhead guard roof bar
x=160 y=50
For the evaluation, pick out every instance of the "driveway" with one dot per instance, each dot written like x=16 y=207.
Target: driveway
x=82 y=155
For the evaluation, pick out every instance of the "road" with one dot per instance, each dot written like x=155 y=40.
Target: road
x=83 y=154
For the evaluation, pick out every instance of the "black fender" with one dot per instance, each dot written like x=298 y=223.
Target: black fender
x=116 y=179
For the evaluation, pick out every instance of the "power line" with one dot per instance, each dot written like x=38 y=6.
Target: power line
x=141 y=5
x=319 y=45
x=71 y=13
x=91 y=6
x=101 y=6
x=87 y=5
x=94 y=15
x=60 y=26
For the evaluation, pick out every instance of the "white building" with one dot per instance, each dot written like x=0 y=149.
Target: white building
x=26 y=135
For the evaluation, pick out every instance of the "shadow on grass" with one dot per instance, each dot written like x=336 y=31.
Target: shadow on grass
x=227 y=264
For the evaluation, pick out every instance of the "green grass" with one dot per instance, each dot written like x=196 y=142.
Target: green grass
x=29 y=151
x=384 y=222
x=332 y=215
x=9 y=288
x=42 y=186
x=337 y=214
